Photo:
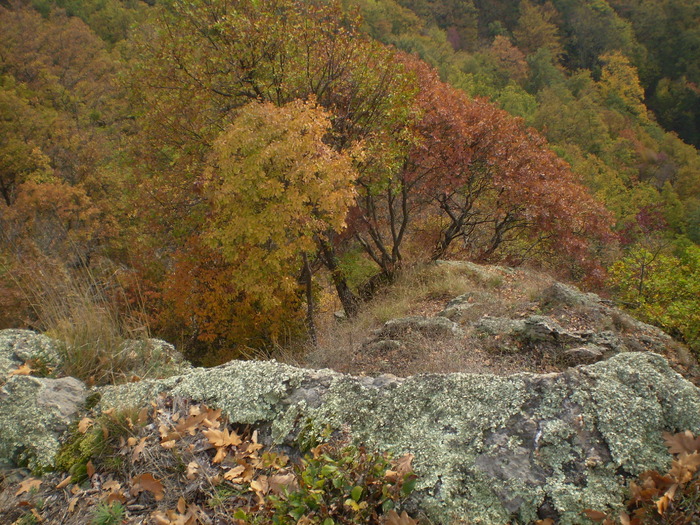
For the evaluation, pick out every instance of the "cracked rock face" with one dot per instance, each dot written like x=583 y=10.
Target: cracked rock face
x=488 y=449
x=35 y=414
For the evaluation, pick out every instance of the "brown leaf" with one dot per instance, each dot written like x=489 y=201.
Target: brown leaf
x=72 y=503
x=595 y=515
x=138 y=449
x=143 y=416
x=85 y=424
x=279 y=482
x=546 y=521
x=27 y=485
x=403 y=464
x=22 y=370
x=147 y=482
x=115 y=496
x=235 y=474
x=181 y=505
x=222 y=438
x=393 y=518
x=90 y=469
x=64 y=482
x=192 y=470
x=682 y=442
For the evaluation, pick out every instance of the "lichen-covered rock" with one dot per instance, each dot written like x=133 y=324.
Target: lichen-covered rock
x=564 y=294
x=19 y=346
x=35 y=414
x=488 y=449
x=456 y=308
x=426 y=326
x=583 y=355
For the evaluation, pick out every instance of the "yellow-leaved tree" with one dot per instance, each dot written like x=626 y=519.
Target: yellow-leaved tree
x=276 y=191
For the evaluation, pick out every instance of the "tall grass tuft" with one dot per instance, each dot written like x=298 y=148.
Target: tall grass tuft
x=100 y=327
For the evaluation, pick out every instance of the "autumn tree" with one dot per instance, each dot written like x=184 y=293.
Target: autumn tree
x=495 y=181
x=276 y=191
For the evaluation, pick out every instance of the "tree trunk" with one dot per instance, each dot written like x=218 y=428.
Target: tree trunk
x=347 y=298
x=310 y=324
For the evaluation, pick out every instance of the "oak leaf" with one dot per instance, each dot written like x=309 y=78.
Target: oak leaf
x=682 y=442
x=148 y=483
x=27 y=485
x=85 y=424
x=393 y=518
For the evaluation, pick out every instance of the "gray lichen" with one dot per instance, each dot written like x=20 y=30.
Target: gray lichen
x=487 y=448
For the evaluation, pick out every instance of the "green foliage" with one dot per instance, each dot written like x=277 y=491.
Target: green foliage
x=343 y=484
x=662 y=288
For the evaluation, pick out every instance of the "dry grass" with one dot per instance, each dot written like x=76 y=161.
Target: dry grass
x=102 y=335
x=424 y=291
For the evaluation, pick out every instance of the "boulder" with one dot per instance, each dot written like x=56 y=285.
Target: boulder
x=488 y=449
x=35 y=414
x=583 y=355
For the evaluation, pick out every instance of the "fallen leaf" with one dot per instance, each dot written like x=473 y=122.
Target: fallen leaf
x=90 y=469
x=168 y=444
x=221 y=439
x=143 y=416
x=235 y=474
x=108 y=412
x=138 y=449
x=192 y=470
x=181 y=505
x=64 y=482
x=72 y=503
x=27 y=485
x=393 y=518
x=546 y=521
x=38 y=516
x=682 y=442
x=112 y=485
x=280 y=482
x=260 y=485
x=115 y=496
x=23 y=370
x=147 y=482
x=595 y=515
x=85 y=424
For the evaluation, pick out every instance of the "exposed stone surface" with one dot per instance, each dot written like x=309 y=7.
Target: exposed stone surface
x=488 y=448
x=583 y=355
x=426 y=326
x=20 y=346
x=35 y=414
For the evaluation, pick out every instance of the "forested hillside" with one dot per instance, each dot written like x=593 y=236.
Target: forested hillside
x=209 y=171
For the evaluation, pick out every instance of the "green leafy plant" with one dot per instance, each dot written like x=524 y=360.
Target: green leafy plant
x=343 y=484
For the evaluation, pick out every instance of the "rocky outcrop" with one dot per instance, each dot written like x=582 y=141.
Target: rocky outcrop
x=35 y=415
x=489 y=449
